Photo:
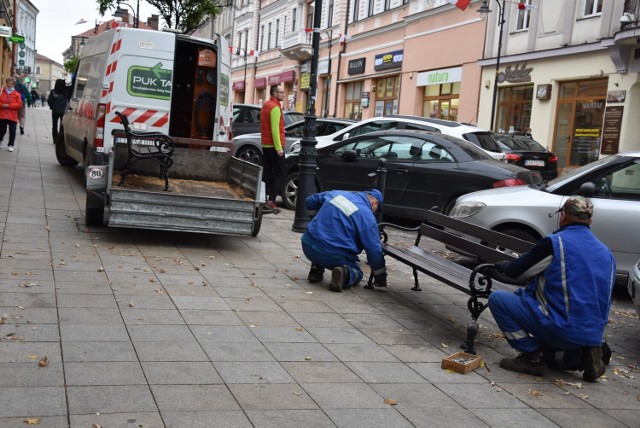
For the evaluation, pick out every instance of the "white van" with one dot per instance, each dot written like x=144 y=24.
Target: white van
x=164 y=82
x=170 y=84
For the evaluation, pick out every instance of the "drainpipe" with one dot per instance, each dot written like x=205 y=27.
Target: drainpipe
x=340 y=51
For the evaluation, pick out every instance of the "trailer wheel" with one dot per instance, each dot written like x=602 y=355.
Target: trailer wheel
x=257 y=222
x=61 y=153
x=94 y=205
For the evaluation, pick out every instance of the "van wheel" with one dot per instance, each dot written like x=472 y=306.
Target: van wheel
x=250 y=154
x=61 y=153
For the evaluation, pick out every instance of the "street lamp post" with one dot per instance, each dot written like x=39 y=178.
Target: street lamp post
x=307 y=164
x=327 y=84
x=484 y=11
x=136 y=12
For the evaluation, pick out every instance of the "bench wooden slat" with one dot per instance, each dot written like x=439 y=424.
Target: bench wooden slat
x=487 y=235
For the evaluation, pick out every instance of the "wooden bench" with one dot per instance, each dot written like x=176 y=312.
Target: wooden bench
x=478 y=283
x=157 y=147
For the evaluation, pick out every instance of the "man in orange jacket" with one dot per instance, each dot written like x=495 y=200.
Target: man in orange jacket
x=10 y=104
x=272 y=135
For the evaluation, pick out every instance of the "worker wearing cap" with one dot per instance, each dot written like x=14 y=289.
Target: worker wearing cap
x=566 y=303
x=344 y=226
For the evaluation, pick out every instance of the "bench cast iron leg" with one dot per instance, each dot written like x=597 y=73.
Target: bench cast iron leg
x=472 y=331
x=416 y=287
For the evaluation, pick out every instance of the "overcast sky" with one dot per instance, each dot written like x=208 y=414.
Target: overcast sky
x=56 y=22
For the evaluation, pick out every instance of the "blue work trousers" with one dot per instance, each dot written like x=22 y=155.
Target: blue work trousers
x=521 y=326
x=330 y=261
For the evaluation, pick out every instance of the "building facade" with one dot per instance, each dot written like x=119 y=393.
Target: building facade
x=25 y=52
x=569 y=71
x=46 y=73
x=6 y=46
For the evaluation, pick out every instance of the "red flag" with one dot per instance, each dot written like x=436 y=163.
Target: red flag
x=460 y=4
x=308 y=30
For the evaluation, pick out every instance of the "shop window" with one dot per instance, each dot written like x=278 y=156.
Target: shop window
x=353 y=96
x=592 y=7
x=514 y=108
x=441 y=101
x=387 y=91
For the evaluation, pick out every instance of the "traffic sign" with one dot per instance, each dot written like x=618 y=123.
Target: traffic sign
x=16 y=38
x=21 y=62
x=22 y=54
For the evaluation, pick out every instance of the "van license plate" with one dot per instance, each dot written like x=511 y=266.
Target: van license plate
x=531 y=162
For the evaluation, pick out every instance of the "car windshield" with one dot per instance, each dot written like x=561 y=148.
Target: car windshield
x=484 y=140
x=528 y=144
x=570 y=174
x=293 y=117
x=471 y=149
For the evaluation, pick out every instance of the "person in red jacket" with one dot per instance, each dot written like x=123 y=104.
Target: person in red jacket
x=10 y=104
x=272 y=133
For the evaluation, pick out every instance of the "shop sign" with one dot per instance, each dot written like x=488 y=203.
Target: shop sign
x=324 y=66
x=611 y=130
x=238 y=86
x=516 y=74
x=305 y=80
x=285 y=76
x=356 y=66
x=388 y=60
x=616 y=96
x=5 y=31
x=438 y=77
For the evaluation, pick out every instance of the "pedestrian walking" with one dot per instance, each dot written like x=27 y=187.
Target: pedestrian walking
x=566 y=303
x=43 y=99
x=34 y=98
x=344 y=226
x=26 y=99
x=272 y=135
x=57 y=101
x=10 y=104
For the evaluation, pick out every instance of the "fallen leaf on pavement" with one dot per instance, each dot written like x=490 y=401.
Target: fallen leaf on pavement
x=44 y=362
x=131 y=305
x=390 y=401
x=535 y=392
x=32 y=421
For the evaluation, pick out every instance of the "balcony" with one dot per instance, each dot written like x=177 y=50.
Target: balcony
x=296 y=45
x=627 y=39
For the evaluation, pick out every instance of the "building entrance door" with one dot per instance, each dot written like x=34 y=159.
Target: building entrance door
x=579 y=121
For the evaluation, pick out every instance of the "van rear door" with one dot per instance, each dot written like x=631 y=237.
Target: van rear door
x=222 y=124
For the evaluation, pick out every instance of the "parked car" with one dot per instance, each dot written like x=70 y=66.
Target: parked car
x=528 y=153
x=248 y=146
x=425 y=169
x=478 y=136
x=246 y=118
x=530 y=213
x=633 y=285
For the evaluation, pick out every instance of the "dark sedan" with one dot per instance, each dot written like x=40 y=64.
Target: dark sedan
x=425 y=169
x=527 y=153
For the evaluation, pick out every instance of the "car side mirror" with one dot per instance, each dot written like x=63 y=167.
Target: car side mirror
x=587 y=189
x=350 y=155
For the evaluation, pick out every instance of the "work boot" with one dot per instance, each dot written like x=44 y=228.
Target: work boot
x=339 y=277
x=526 y=362
x=316 y=273
x=591 y=361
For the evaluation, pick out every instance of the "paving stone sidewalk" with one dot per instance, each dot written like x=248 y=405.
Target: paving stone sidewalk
x=132 y=328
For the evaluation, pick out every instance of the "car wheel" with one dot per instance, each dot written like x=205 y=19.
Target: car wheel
x=61 y=154
x=250 y=154
x=290 y=191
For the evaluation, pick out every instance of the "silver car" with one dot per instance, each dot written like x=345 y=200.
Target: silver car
x=248 y=146
x=530 y=213
x=633 y=285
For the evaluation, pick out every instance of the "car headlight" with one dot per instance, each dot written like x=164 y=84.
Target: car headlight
x=467 y=209
x=295 y=147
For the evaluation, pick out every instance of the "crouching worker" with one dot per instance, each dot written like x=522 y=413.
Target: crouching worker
x=566 y=303
x=343 y=227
